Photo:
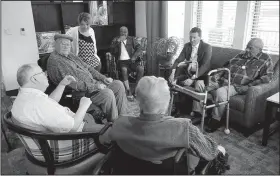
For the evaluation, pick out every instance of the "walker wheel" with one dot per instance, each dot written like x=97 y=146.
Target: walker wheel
x=227 y=131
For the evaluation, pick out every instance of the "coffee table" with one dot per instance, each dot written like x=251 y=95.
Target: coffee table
x=271 y=102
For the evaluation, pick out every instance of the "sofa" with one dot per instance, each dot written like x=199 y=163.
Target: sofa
x=111 y=64
x=247 y=111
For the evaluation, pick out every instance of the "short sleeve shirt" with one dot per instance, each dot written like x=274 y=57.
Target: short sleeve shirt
x=35 y=109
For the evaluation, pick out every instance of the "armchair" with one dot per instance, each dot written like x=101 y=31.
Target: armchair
x=247 y=111
x=58 y=153
x=111 y=60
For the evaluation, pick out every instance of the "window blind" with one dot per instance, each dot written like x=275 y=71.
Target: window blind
x=264 y=24
x=216 y=20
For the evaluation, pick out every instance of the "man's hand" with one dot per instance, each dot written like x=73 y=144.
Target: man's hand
x=241 y=89
x=187 y=82
x=171 y=77
x=85 y=102
x=133 y=59
x=181 y=64
x=101 y=86
x=193 y=77
x=108 y=81
x=222 y=149
x=67 y=80
x=121 y=38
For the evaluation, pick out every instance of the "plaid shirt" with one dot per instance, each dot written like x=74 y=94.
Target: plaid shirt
x=87 y=77
x=249 y=72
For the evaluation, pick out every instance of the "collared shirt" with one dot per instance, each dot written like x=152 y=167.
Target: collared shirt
x=124 y=54
x=35 y=109
x=87 y=77
x=252 y=71
x=155 y=137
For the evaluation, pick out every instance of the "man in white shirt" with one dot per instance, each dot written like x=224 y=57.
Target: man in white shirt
x=38 y=111
x=127 y=52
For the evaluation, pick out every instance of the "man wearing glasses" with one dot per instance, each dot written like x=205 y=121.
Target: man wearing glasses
x=104 y=92
x=35 y=110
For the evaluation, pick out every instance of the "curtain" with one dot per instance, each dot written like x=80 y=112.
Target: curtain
x=156 y=20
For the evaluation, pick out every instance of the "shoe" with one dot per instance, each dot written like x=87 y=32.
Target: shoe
x=213 y=125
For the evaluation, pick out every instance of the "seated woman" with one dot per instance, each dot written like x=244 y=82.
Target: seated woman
x=84 y=43
x=154 y=136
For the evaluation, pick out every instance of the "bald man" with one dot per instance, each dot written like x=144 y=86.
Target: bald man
x=127 y=52
x=249 y=68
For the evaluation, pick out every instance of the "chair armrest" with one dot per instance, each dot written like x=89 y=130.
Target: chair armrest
x=255 y=99
x=101 y=147
x=99 y=166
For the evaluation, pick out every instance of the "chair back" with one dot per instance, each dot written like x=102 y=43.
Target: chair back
x=121 y=163
x=50 y=149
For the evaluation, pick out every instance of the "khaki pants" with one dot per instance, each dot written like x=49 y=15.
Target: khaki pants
x=112 y=100
x=219 y=94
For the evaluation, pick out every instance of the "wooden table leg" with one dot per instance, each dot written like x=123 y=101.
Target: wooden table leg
x=268 y=118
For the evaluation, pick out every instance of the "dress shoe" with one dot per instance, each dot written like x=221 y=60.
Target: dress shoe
x=213 y=125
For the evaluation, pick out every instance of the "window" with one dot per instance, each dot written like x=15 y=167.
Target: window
x=176 y=16
x=216 y=20
x=264 y=24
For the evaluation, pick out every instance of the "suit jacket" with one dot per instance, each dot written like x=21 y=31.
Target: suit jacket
x=133 y=48
x=204 y=55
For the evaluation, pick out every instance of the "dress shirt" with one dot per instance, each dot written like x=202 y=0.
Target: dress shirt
x=35 y=109
x=124 y=54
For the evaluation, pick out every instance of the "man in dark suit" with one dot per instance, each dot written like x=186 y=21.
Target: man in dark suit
x=127 y=52
x=183 y=71
x=195 y=50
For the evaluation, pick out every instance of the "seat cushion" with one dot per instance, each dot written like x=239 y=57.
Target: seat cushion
x=83 y=167
x=237 y=102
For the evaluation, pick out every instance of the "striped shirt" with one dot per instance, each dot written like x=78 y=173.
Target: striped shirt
x=157 y=137
x=87 y=78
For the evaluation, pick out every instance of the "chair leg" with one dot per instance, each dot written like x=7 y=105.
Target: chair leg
x=6 y=139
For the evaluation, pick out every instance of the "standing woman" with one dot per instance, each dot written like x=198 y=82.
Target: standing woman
x=84 y=43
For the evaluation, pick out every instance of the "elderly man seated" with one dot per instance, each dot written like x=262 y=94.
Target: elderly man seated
x=104 y=92
x=126 y=50
x=249 y=68
x=154 y=136
x=35 y=110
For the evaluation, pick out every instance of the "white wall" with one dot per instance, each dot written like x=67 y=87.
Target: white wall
x=140 y=18
x=17 y=49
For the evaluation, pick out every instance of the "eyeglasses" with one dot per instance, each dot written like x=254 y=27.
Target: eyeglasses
x=45 y=72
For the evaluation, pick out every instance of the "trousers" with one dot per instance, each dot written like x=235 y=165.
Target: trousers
x=219 y=94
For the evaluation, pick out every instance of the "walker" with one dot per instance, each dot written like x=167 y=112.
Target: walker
x=202 y=96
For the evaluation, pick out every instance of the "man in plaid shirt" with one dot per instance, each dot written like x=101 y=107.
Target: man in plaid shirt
x=249 y=68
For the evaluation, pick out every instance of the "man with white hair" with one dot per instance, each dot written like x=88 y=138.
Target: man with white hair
x=34 y=109
x=104 y=92
x=249 y=68
x=155 y=136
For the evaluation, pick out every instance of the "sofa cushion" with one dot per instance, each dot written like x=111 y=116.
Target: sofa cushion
x=237 y=102
x=221 y=55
